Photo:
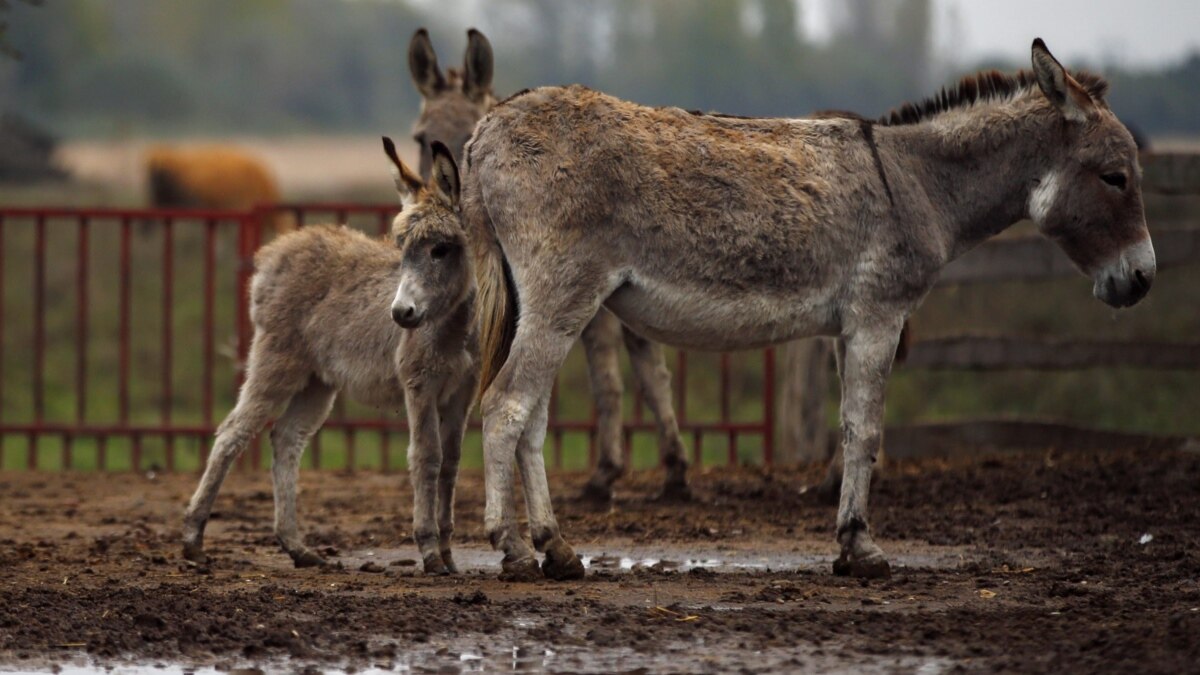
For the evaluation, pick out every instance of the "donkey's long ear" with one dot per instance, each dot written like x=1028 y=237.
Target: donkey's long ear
x=1058 y=86
x=422 y=63
x=408 y=184
x=477 y=66
x=445 y=182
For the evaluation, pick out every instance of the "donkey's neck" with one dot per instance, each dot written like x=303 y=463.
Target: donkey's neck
x=976 y=166
x=454 y=328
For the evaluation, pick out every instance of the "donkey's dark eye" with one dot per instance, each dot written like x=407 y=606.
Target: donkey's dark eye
x=440 y=251
x=1116 y=180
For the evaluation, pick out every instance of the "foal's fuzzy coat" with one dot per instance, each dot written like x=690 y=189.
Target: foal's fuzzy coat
x=320 y=303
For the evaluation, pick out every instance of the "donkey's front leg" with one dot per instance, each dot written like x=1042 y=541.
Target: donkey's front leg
x=867 y=363
x=424 y=465
x=453 y=425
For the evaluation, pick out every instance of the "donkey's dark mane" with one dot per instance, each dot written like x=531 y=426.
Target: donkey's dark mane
x=988 y=85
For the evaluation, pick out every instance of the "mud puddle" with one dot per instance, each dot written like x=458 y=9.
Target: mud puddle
x=628 y=557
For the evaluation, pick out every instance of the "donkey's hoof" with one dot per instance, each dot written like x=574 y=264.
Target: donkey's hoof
x=598 y=496
x=521 y=570
x=675 y=492
x=307 y=558
x=195 y=553
x=448 y=561
x=871 y=567
x=561 y=564
x=434 y=566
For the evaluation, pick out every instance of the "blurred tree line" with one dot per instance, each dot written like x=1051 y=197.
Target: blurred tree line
x=98 y=67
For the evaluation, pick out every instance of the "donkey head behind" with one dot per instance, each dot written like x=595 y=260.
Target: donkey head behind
x=451 y=102
x=435 y=272
x=1090 y=199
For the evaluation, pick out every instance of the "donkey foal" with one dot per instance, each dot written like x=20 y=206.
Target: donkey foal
x=319 y=303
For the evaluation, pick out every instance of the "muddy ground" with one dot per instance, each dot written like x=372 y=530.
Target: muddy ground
x=1029 y=563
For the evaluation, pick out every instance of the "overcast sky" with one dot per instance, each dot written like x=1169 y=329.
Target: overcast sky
x=1118 y=32
x=1135 y=33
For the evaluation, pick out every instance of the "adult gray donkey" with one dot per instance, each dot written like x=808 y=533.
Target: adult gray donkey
x=715 y=232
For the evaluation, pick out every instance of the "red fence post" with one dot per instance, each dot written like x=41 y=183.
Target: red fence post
x=248 y=238
x=768 y=415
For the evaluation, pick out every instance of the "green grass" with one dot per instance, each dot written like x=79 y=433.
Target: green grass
x=1123 y=399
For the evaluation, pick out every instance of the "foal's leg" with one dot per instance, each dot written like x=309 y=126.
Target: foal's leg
x=271 y=381
x=453 y=425
x=654 y=381
x=600 y=342
x=424 y=465
x=293 y=430
x=868 y=361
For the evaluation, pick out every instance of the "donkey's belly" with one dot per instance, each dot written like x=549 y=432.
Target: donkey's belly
x=697 y=319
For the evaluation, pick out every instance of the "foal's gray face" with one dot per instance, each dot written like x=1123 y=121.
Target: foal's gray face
x=1090 y=201
x=453 y=102
x=435 y=274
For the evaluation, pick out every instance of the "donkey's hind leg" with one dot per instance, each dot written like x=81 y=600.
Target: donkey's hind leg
x=654 y=381
x=293 y=430
x=267 y=388
x=561 y=562
x=600 y=342
x=514 y=408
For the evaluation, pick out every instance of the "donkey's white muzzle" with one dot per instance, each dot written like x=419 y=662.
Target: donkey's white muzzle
x=406 y=310
x=1127 y=279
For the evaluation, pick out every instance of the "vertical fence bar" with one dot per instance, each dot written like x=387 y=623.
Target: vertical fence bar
x=768 y=415
x=39 y=336
x=385 y=450
x=554 y=415
x=247 y=222
x=209 y=365
x=81 y=334
x=2 y=322
x=731 y=448
x=124 y=307
x=168 y=296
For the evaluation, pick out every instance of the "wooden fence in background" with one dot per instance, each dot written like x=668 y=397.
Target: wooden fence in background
x=806 y=366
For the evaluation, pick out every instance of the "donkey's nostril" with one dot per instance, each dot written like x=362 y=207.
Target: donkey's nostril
x=1141 y=278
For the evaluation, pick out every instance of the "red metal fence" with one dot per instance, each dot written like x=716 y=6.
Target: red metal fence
x=128 y=327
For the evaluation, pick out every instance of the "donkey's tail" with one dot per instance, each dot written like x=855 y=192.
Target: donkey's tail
x=496 y=306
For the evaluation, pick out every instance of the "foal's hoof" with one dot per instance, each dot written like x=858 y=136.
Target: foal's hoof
x=448 y=561
x=597 y=496
x=675 y=492
x=434 y=566
x=872 y=567
x=521 y=570
x=561 y=564
x=307 y=558
x=195 y=553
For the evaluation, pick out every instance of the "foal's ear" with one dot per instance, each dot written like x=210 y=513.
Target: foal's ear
x=408 y=184
x=1058 y=86
x=422 y=63
x=445 y=182
x=477 y=66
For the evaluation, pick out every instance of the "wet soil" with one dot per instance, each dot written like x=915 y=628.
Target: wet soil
x=1029 y=563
